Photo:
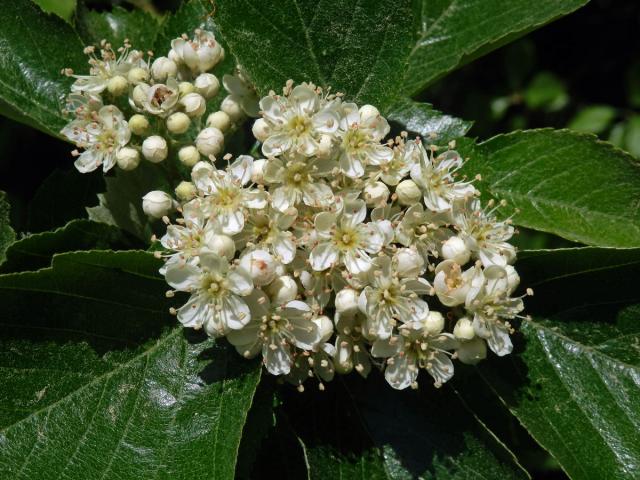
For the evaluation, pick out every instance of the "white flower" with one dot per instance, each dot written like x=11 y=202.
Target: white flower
x=490 y=301
x=361 y=141
x=207 y=85
x=456 y=249
x=451 y=284
x=226 y=198
x=199 y=54
x=194 y=104
x=412 y=350
x=296 y=121
x=161 y=99
x=407 y=262
x=270 y=229
x=389 y=299
x=299 y=180
x=313 y=363
x=282 y=290
x=210 y=141
x=217 y=292
x=344 y=238
x=128 y=158
x=178 y=123
x=155 y=148
x=85 y=108
x=260 y=265
x=101 y=139
x=422 y=229
x=408 y=192
x=393 y=170
x=108 y=66
x=351 y=353
x=436 y=178
x=375 y=193
x=163 y=68
x=485 y=236
x=275 y=330
x=242 y=92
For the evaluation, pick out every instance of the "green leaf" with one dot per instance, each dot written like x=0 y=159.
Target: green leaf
x=374 y=51
x=62 y=197
x=567 y=280
x=575 y=388
x=121 y=204
x=593 y=119
x=63 y=8
x=565 y=183
x=364 y=429
x=546 y=92
x=422 y=119
x=358 y=48
x=94 y=383
x=34 y=48
x=7 y=235
x=632 y=135
x=451 y=33
x=117 y=25
x=35 y=251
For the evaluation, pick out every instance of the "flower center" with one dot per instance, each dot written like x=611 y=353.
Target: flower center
x=299 y=125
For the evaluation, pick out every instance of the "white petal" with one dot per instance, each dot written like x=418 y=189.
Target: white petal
x=240 y=282
x=276 y=144
x=232 y=222
x=235 y=312
x=194 y=312
x=323 y=256
x=384 y=348
x=183 y=277
x=277 y=360
x=398 y=373
x=240 y=169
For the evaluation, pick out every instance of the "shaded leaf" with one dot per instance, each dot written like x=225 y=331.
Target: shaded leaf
x=422 y=119
x=35 y=251
x=62 y=197
x=157 y=404
x=34 y=48
x=565 y=183
x=593 y=119
x=7 y=235
x=63 y=8
x=364 y=429
x=576 y=390
x=117 y=25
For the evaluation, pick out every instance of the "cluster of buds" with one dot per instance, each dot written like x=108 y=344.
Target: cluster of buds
x=339 y=251
x=132 y=107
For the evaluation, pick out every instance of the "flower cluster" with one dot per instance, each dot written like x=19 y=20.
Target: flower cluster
x=338 y=251
x=132 y=106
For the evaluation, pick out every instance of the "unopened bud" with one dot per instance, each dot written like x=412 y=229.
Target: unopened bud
x=178 y=123
x=185 y=191
x=346 y=301
x=282 y=290
x=408 y=193
x=210 y=141
x=155 y=149
x=257 y=171
x=137 y=75
x=223 y=245
x=194 y=104
x=376 y=193
x=128 y=158
x=408 y=262
x=162 y=68
x=464 y=329
x=368 y=111
x=456 y=249
x=434 y=323
x=138 y=124
x=325 y=327
x=117 y=85
x=260 y=265
x=189 y=156
x=231 y=106
x=157 y=204
x=207 y=85
x=260 y=129
x=473 y=351
x=219 y=120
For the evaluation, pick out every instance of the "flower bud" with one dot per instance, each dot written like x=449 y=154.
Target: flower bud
x=231 y=105
x=189 y=156
x=367 y=112
x=257 y=171
x=325 y=146
x=344 y=349
x=219 y=120
x=137 y=75
x=194 y=104
x=210 y=141
x=185 y=191
x=260 y=129
x=282 y=290
x=128 y=158
x=464 y=329
x=139 y=95
x=117 y=85
x=162 y=68
x=325 y=327
x=207 y=85
x=260 y=265
x=346 y=302
x=408 y=262
x=456 y=249
x=473 y=351
x=209 y=55
x=376 y=193
x=157 y=204
x=154 y=148
x=178 y=123
x=223 y=245
x=185 y=88
x=434 y=323
x=408 y=192
x=138 y=124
